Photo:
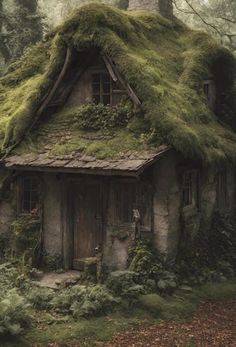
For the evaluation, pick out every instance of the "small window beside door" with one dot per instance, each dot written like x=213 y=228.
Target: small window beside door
x=29 y=195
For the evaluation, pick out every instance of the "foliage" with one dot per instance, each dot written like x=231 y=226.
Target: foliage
x=40 y=298
x=52 y=262
x=9 y=275
x=4 y=244
x=26 y=237
x=84 y=301
x=214 y=16
x=211 y=257
x=125 y=284
x=149 y=265
x=14 y=315
x=101 y=117
x=20 y=26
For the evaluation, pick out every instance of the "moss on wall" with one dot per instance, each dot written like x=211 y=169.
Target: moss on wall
x=163 y=61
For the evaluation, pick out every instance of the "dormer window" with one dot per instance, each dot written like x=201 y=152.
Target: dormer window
x=101 y=88
x=209 y=92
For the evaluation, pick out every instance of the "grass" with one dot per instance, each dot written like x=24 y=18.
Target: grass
x=149 y=310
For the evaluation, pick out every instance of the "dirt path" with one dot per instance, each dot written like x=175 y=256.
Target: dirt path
x=214 y=324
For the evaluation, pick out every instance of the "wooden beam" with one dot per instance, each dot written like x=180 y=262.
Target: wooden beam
x=126 y=85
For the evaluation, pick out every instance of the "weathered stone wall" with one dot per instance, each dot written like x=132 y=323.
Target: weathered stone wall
x=165 y=7
x=166 y=205
x=171 y=220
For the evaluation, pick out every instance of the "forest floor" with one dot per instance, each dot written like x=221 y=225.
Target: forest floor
x=204 y=317
x=213 y=325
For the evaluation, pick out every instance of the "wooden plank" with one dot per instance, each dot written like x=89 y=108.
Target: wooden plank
x=126 y=85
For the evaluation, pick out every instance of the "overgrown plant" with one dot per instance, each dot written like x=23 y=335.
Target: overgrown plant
x=14 y=315
x=212 y=255
x=25 y=242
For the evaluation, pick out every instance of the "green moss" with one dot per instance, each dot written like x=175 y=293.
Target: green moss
x=163 y=61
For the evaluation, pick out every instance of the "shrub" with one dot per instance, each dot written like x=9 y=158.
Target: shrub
x=40 y=298
x=26 y=237
x=100 y=117
x=14 y=316
x=84 y=301
x=125 y=284
x=96 y=300
x=149 y=265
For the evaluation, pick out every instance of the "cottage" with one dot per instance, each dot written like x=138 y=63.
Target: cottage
x=119 y=125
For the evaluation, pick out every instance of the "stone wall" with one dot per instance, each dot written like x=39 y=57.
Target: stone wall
x=166 y=205
x=165 y=7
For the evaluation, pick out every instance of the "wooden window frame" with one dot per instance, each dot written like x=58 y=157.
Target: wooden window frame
x=209 y=86
x=34 y=205
x=101 y=94
x=192 y=186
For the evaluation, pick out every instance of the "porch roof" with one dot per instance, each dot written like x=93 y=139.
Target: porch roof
x=130 y=164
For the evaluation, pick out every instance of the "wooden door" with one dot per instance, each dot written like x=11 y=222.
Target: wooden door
x=88 y=219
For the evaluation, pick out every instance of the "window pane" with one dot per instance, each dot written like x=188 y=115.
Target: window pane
x=106 y=99
x=106 y=88
x=26 y=184
x=96 y=99
x=96 y=78
x=96 y=88
x=30 y=194
x=105 y=78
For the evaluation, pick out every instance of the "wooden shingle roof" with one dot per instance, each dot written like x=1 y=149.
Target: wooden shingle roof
x=131 y=164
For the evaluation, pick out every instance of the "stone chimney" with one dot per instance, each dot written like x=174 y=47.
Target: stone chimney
x=165 y=7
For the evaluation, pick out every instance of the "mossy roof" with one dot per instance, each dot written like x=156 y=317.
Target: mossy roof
x=165 y=63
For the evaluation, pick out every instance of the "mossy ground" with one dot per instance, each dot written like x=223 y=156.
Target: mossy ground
x=150 y=309
x=163 y=61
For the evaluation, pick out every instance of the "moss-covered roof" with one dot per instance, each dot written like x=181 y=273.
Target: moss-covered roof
x=163 y=61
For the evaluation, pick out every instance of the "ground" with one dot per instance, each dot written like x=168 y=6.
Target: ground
x=202 y=317
x=214 y=324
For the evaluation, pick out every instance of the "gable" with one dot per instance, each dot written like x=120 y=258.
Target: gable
x=91 y=77
x=97 y=85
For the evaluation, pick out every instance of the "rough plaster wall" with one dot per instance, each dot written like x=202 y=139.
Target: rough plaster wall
x=115 y=251
x=166 y=205
x=208 y=196
x=7 y=216
x=52 y=215
x=165 y=7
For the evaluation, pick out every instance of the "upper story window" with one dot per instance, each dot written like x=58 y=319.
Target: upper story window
x=101 y=88
x=29 y=195
x=210 y=92
x=105 y=90
x=190 y=188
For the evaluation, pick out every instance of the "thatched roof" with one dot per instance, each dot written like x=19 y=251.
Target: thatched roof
x=163 y=61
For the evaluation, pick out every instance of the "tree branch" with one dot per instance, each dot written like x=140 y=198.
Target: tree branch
x=202 y=19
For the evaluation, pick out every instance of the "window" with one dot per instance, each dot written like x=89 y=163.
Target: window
x=187 y=189
x=105 y=90
x=209 y=92
x=30 y=194
x=101 y=87
x=221 y=192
